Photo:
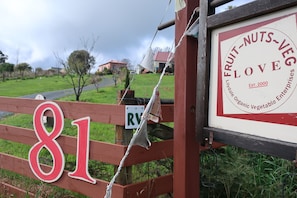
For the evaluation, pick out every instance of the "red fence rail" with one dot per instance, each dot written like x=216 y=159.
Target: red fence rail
x=100 y=151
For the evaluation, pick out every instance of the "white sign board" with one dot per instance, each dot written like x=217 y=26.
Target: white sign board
x=254 y=77
x=133 y=115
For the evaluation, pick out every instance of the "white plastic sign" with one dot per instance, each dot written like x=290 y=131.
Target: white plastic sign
x=133 y=115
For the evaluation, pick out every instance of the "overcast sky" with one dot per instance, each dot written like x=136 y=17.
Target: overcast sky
x=33 y=30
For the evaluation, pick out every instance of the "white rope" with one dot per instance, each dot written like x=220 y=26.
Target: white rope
x=109 y=186
x=187 y=27
x=146 y=111
x=170 y=57
x=155 y=34
x=161 y=21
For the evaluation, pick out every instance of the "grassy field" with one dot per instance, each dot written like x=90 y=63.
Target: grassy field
x=143 y=84
x=15 y=88
x=225 y=172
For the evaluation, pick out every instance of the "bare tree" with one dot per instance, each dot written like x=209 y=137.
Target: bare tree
x=95 y=80
x=115 y=77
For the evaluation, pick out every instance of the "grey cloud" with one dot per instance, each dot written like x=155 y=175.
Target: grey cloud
x=57 y=26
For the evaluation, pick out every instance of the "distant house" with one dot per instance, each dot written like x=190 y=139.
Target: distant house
x=112 y=65
x=57 y=70
x=160 y=59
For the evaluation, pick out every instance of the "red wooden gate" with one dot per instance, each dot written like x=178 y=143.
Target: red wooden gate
x=100 y=151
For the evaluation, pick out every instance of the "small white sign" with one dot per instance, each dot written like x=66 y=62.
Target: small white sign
x=133 y=115
x=41 y=97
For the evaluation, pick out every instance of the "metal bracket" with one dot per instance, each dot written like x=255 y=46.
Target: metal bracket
x=209 y=140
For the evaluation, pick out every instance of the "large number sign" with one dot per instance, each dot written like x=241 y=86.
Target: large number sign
x=254 y=76
x=48 y=141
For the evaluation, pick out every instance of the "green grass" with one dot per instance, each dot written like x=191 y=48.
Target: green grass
x=142 y=84
x=18 y=87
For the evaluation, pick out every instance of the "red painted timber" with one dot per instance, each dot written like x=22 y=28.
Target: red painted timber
x=186 y=147
x=150 y=188
x=8 y=190
x=158 y=150
x=104 y=113
x=101 y=151
x=21 y=166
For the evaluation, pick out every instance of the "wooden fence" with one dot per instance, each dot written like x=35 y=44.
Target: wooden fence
x=100 y=151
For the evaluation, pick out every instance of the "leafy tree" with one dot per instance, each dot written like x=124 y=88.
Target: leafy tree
x=78 y=67
x=230 y=7
x=6 y=68
x=80 y=62
x=38 y=71
x=3 y=57
x=22 y=67
x=107 y=71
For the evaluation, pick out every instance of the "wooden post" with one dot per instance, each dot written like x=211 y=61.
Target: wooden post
x=201 y=71
x=186 y=181
x=123 y=137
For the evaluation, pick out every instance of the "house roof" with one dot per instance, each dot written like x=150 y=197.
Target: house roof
x=114 y=62
x=161 y=56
